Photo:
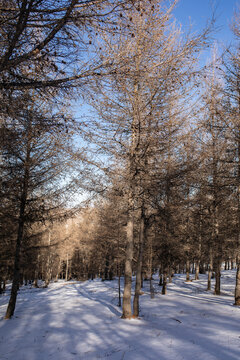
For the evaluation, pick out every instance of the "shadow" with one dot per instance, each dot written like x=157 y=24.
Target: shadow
x=79 y=321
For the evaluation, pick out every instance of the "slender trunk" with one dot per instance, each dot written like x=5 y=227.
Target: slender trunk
x=119 y=287
x=170 y=275
x=197 y=265
x=160 y=276
x=237 y=288
x=164 y=288
x=139 y=268
x=152 y=294
x=106 y=268
x=151 y=271
x=187 y=270
x=127 y=311
x=160 y=280
x=66 y=273
x=21 y=223
x=217 y=277
x=197 y=270
x=210 y=267
x=119 y=267
x=58 y=270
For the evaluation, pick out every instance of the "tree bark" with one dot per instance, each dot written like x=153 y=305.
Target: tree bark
x=164 y=288
x=21 y=223
x=139 y=267
x=218 y=277
x=237 y=288
x=127 y=310
x=187 y=270
x=210 y=267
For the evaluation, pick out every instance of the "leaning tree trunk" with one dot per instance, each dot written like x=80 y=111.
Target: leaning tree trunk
x=21 y=223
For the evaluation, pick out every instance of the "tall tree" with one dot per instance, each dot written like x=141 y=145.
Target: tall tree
x=133 y=101
x=232 y=70
x=34 y=158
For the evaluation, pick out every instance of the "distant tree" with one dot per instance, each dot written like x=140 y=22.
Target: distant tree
x=215 y=169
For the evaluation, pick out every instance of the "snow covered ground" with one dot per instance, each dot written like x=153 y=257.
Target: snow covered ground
x=73 y=320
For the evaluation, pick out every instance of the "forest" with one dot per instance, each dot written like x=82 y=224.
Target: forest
x=119 y=149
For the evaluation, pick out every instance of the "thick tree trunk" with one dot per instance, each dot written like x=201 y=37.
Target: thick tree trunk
x=139 y=268
x=127 y=310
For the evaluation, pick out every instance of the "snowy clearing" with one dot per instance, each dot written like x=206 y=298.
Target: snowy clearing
x=81 y=320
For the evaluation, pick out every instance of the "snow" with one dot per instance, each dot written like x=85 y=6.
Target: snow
x=81 y=320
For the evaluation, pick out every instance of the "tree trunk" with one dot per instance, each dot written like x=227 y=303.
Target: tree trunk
x=210 y=267
x=66 y=273
x=217 y=277
x=21 y=223
x=164 y=288
x=127 y=311
x=187 y=270
x=197 y=270
x=237 y=288
x=160 y=279
x=119 y=287
x=119 y=268
x=139 y=268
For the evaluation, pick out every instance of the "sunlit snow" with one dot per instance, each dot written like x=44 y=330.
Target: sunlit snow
x=81 y=320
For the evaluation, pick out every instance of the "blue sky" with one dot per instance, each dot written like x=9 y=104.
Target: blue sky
x=201 y=10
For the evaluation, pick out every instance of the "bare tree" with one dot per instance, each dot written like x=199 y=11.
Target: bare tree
x=132 y=102
x=33 y=147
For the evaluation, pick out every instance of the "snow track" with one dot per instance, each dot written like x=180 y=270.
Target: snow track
x=82 y=321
